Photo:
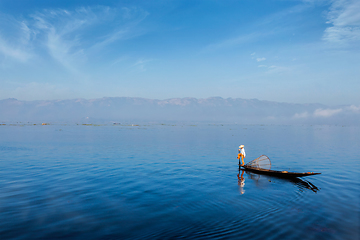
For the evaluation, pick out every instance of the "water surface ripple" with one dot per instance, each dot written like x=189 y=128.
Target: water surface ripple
x=174 y=182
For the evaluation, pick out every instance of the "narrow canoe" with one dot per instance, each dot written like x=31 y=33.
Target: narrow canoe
x=285 y=174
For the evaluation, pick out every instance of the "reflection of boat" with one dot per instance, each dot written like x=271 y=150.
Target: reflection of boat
x=262 y=165
x=301 y=184
x=284 y=174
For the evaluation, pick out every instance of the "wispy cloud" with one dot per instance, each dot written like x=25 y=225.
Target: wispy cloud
x=118 y=60
x=231 y=42
x=132 y=17
x=344 y=17
x=60 y=32
x=67 y=39
x=15 y=45
x=262 y=28
x=279 y=69
x=273 y=69
x=69 y=35
x=14 y=52
x=260 y=59
x=141 y=63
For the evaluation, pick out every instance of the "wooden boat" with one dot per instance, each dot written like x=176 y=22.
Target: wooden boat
x=284 y=174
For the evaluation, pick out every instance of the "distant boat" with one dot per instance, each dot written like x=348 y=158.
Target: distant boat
x=262 y=165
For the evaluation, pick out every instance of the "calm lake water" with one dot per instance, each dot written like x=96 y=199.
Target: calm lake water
x=177 y=181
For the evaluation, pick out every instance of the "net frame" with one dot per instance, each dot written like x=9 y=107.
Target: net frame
x=262 y=162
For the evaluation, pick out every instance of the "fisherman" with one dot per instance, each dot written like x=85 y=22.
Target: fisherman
x=241 y=154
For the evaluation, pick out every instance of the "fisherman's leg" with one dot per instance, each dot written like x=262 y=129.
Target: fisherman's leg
x=242 y=159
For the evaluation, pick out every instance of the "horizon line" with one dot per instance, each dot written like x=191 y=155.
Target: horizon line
x=200 y=98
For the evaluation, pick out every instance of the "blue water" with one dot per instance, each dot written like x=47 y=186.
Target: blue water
x=177 y=181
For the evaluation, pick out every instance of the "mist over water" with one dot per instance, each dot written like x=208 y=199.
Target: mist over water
x=158 y=181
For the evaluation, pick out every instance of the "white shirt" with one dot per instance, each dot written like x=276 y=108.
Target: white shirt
x=242 y=151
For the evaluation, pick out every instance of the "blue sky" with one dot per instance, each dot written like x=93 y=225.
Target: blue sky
x=278 y=50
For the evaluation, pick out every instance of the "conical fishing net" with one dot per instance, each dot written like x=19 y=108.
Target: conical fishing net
x=260 y=162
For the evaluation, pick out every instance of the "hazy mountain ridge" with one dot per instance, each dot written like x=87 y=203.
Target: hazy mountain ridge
x=213 y=109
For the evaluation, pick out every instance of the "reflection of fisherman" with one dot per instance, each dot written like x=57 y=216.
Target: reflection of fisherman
x=241 y=154
x=241 y=182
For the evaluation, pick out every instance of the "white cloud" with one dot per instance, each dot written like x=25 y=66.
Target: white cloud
x=327 y=112
x=344 y=16
x=260 y=59
x=262 y=66
x=353 y=108
x=301 y=115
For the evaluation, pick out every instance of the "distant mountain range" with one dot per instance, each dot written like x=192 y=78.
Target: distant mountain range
x=213 y=109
